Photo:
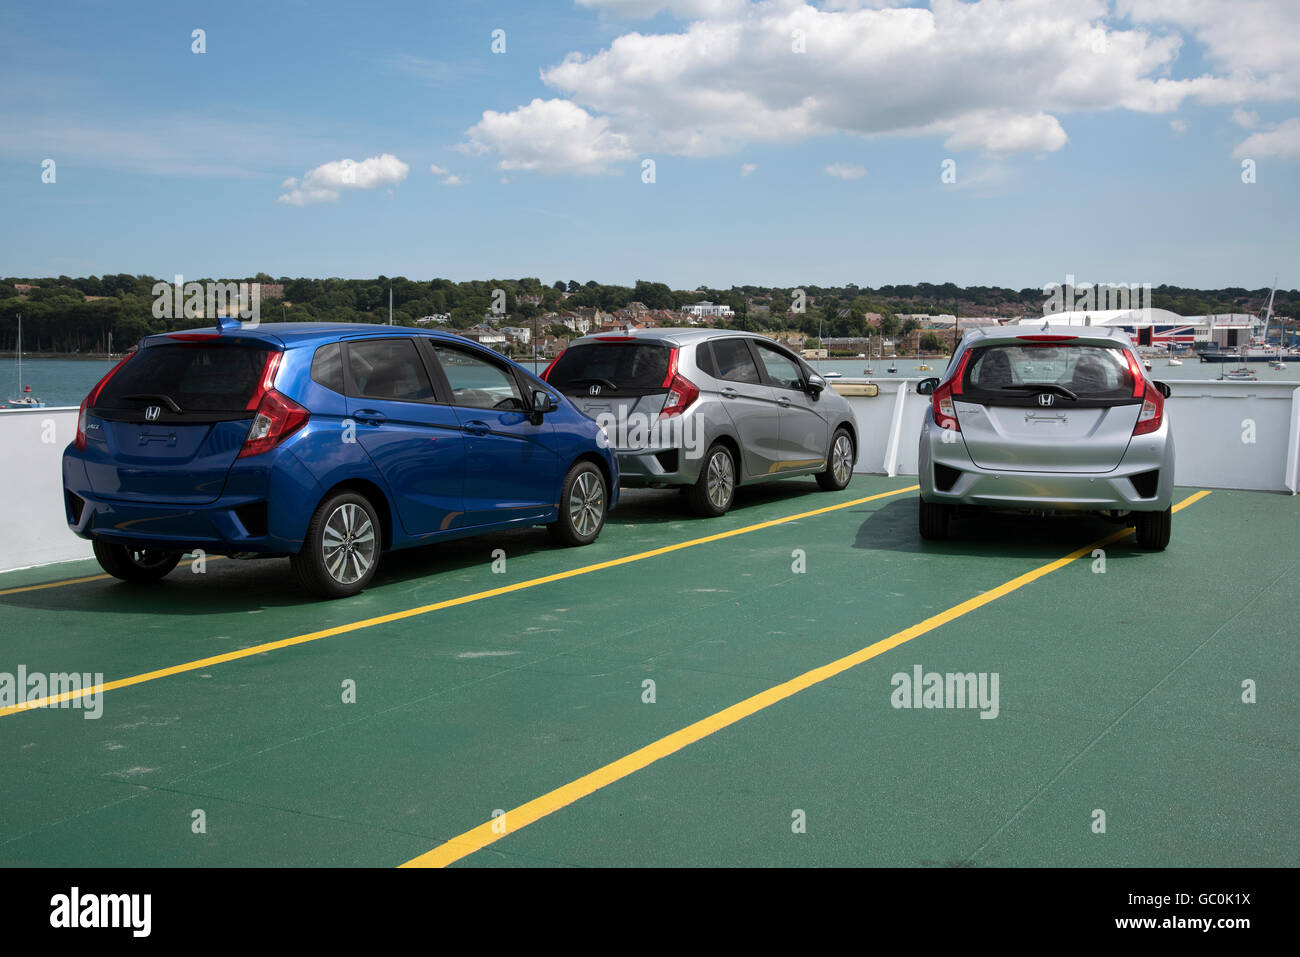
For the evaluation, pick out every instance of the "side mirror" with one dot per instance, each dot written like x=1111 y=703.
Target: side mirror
x=816 y=384
x=927 y=386
x=543 y=402
x=1164 y=389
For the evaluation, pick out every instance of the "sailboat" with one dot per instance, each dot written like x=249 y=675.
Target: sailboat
x=26 y=400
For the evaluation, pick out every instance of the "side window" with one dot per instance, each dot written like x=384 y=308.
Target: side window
x=704 y=359
x=477 y=383
x=782 y=370
x=733 y=361
x=388 y=369
x=327 y=367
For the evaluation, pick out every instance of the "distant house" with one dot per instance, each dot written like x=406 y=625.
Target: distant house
x=23 y=288
x=707 y=310
x=438 y=318
x=517 y=334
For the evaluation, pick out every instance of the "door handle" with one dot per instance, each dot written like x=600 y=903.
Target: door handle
x=475 y=427
x=729 y=393
x=369 y=416
x=783 y=402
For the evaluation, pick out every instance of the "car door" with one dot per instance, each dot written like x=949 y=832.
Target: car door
x=803 y=434
x=414 y=441
x=749 y=401
x=511 y=463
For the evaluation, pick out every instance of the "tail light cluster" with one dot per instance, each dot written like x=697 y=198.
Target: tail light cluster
x=941 y=400
x=89 y=402
x=681 y=391
x=1153 y=402
x=277 y=416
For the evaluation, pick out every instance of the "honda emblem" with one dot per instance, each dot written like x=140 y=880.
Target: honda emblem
x=151 y=414
x=594 y=390
x=1046 y=398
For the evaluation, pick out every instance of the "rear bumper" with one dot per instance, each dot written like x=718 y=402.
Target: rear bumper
x=648 y=467
x=1142 y=482
x=261 y=512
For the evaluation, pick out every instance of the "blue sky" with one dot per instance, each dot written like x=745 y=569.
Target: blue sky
x=172 y=162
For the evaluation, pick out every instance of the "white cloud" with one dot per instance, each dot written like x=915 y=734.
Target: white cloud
x=449 y=178
x=1283 y=142
x=453 y=180
x=747 y=168
x=553 y=136
x=995 y=76
x=324 y=183
x=1246 y=119
x=437 y=170
x=1178 y=126
x=846 y=171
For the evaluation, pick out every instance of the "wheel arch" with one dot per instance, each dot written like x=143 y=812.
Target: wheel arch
x=373 y=494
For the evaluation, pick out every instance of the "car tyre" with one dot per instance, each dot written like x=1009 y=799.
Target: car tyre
x=935 y=519
x=340 y=552
x=1153 y=529
x=583 y=500
x=139 y=565
x=839 y=463
x=715 y=489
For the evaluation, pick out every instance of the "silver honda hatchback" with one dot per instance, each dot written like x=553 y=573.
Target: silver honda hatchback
x=1051 y=418
x=708 y=411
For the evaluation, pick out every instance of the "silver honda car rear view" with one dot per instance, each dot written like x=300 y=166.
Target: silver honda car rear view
x=708 y=411
x=1051 y=418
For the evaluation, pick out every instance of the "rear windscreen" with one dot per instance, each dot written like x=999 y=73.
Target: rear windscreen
x=617 y=367
x=1091 y=372
x=198 y=377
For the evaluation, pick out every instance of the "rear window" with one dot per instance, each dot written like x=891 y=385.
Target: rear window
x=388 y=369
x=626 y=368
x=1015 y=372
x=198 y=377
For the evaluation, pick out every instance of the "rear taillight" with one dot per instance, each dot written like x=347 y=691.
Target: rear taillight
x=278 y=417
x=945 y=415
x=1153 y=411
x=89 y=402
x=941 y=400
x=681 y=391
x=547 y=370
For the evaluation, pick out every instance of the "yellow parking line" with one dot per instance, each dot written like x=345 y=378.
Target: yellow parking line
x=436 y=606
x=491 y=831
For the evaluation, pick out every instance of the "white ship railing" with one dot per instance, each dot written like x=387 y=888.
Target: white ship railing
x=1237 y=435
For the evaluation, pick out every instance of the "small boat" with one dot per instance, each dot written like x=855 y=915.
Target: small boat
x=868 y=371
x=1174 y=361
x=1239 y=375
x=1277 y=364
x=923 y=368
x=1146 y=364
x=28 y=400
x=832 y=375
x=892 y=368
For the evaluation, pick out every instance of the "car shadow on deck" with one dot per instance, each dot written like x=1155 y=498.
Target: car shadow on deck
x=893 y=527
x=233 y=586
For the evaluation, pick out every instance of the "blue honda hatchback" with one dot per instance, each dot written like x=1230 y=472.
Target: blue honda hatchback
x=327 y=443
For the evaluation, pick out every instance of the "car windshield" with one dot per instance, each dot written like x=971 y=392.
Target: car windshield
x=197 y=376
x=1087 y=371
x=630 y=368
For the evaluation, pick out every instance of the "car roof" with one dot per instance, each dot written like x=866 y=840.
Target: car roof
x=291 y=334
x=1101 y=335
x=680 y=336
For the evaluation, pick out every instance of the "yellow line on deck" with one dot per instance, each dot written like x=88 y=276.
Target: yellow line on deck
x=491 y=831
x=426 y=609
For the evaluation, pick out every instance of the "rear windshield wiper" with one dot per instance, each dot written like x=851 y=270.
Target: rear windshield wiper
x=1052 y=387
x=158 y=397
x=605 y=383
